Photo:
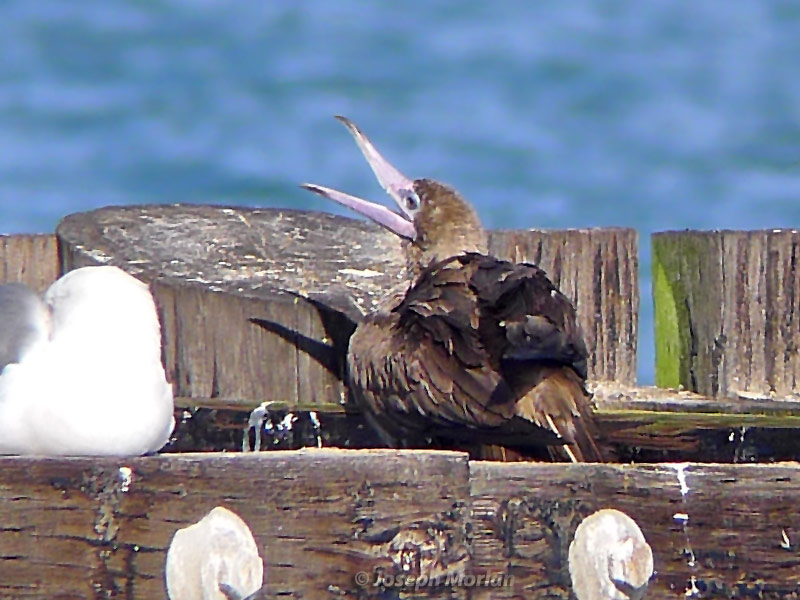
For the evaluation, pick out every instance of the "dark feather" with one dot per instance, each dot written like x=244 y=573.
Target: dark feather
x=479 y=350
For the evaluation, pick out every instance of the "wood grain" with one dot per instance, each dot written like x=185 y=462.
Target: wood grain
x=727 y=312
x=30 y=259
x=80 y=528
x=598 y=270
x=715 y=529
x=88 y=528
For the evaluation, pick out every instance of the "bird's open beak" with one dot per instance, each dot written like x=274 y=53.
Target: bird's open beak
x=393 y=181
x=380 y=214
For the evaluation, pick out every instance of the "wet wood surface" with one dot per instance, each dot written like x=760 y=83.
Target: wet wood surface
x=644 y=424
x=727 y=312
x=89 y=528
x=650 y=424
x=241 y=291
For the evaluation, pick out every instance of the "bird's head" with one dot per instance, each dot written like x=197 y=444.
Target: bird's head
x=433 y=219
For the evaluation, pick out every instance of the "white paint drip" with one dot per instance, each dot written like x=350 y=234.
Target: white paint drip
x=692 y=562
x=680 y=470
x=692 y=590
x=126 y=476
x=287 y=422
x=740 y=453
x=317 y=427
x=260 y=418
x=255 y=422
x=683 y=519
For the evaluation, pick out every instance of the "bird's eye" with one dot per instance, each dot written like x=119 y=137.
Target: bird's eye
x=412 y=201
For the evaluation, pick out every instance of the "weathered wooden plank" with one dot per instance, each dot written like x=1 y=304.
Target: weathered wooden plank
x=610 y=396
x=715 y=531
x=649 y=424
x=29 y=259
x=727 y=312
x=242 y=348
x=79 y=528
x=88 y=528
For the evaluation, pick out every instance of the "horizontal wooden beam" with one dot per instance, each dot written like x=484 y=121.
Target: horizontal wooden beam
x=88 y=528
x=100 y=528
x=715 y=531
x=650 y=424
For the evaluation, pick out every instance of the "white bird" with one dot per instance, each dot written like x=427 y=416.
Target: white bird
x=83 y=373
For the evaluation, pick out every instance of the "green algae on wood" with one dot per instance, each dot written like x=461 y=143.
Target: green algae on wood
x=666 y=318
x=727 y=312
x=683 y=276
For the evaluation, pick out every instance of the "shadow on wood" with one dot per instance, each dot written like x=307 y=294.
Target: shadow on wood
x=643 y=424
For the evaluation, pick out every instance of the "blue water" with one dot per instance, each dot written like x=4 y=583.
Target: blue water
x=655 y=115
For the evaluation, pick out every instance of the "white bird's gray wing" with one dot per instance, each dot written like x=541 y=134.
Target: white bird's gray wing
x=23 y=321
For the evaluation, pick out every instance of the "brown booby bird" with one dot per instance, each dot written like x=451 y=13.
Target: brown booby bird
x=478 y=352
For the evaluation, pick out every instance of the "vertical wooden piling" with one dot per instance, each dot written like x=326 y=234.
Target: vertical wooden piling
x=727 y=312
x=29 y=259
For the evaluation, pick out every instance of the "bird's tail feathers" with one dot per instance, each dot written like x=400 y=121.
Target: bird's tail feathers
x=559 y=402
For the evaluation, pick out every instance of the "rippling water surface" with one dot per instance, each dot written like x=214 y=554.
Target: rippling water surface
x=658 y=115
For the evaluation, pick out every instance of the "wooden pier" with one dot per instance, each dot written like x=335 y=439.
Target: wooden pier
x=257 y=307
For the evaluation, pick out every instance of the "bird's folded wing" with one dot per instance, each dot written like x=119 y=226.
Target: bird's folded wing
x=524 y=317
x=447 y=373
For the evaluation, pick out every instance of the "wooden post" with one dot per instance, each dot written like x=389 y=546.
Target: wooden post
x=727 y=312
x=259 y=304
x=215 y=347
x=29 y=259
x=256 y=305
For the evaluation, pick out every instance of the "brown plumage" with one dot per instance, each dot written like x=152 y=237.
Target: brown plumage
x=479 y=353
